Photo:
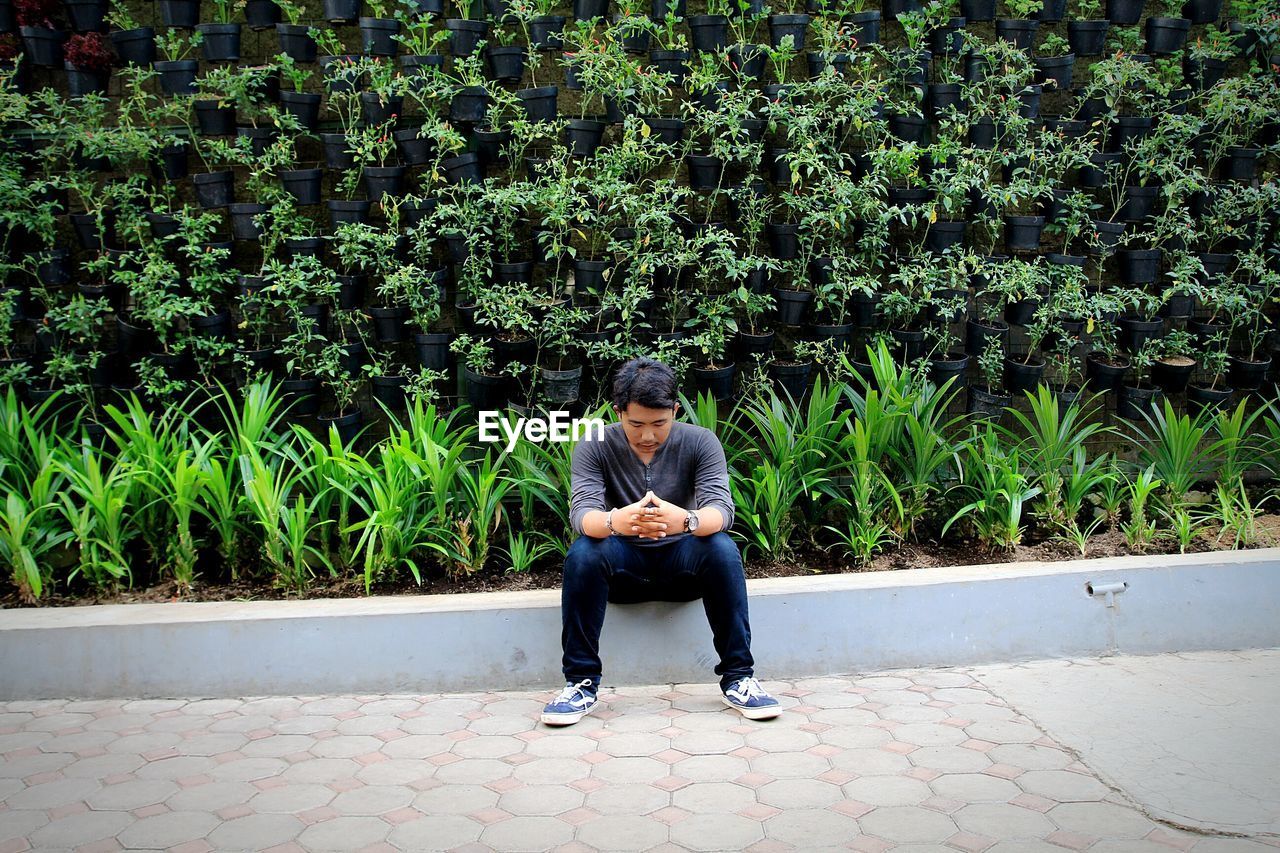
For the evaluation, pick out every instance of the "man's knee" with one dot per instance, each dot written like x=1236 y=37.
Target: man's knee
x=721 y=552
x=586 y=558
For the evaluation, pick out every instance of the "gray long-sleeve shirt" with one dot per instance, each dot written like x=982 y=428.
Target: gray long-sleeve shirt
x=688 y=469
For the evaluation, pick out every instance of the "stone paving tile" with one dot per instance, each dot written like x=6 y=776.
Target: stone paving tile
x=916 y=761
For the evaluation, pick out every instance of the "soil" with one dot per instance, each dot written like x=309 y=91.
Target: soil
x=806 y=561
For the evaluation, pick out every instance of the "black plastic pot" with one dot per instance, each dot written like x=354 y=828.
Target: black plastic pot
x=377 y=36
x=135 y=47
x=949 y=368
x=716 y=381
x=941 y=98
x=987 y=402
x=341 y=11
x=1172 y=378
x=791 y=379
x=583 y=136
x=792 y=305
x=586 y=9
x=469 y=105
x=1240 y=163
x=1200 y=397
x=909 y=128
x=347 y=424
x=85 y=15
x=465 y=35
x=341 y=211
x=336 y=154
x=669 y=131
x=432 y=349
x=781 y=26
x=560 y=386
x=1102 y=376
x=1203 y=74
x=673 y=62
x=1139 y=266
x=1137 y=203
x=1022 y=233
x=747 y=61
x=783 y=239
x=221 y=42
x=753 y=347
x=243 y=226
x=539 y=102
x=948 y=38
x=305 y=247
x=1109 y=234
x=1132 y=401
x=260 y=138
x=382 y=181
x=1134 y=332
x=1087 y=38
x=865 y=26
x=708 y=33
x=705 y=173
x=1019 y=32
x=296 y=41
x=978 y=11
x=304 y=106
x=1124 y=12
x=1244 y=375
x=505 y=63
x=177 y=77
x=377 y=109
x=1202 y=11
x=1055 y=71
x=1022 y=376
x=214 y=189
x=977 y=335
x=261 y=14
x=943 y=234
x=546 y=32
x=388 y=323
x=464 y=168
x=184 y=14
x=1166 y=36
x=81 y=83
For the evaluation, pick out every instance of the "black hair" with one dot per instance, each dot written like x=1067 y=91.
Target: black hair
x=646 y=381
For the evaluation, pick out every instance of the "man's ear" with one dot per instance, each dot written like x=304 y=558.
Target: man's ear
x=675 y=411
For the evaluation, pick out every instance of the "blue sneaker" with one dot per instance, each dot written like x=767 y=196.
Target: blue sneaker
x=573 y=703
x=751 y=700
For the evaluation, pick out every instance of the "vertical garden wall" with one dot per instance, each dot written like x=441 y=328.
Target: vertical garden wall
x=368 y=201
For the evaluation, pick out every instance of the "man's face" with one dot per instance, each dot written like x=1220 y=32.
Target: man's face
x=646 y=428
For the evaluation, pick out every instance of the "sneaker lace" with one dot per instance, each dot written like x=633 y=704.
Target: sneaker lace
x=750 y=687
x=570 y=689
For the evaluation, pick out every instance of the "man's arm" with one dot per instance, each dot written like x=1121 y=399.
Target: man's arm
x=711 y=493
x=587 y=509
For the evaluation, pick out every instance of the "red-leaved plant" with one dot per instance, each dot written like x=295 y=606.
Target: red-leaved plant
x=36 y=13
x=88 y=52
x=8 y=47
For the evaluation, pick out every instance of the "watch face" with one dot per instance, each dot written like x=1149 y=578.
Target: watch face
x=692 y=522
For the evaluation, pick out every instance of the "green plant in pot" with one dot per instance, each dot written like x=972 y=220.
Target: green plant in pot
x=77 y=327
x=559 y=352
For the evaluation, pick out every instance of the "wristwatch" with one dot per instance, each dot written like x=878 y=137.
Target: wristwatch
x=691 y=521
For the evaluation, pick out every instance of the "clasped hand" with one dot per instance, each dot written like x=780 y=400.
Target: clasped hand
x=650 y=518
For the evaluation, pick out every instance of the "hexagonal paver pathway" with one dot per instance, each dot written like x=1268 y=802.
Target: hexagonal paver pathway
x=913 y=760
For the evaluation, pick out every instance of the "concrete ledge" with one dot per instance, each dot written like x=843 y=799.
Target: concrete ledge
x=801 y=626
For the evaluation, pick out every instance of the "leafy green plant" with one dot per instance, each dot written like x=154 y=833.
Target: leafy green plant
x=1140 y=530
x=1049 y=437
x=996 y=490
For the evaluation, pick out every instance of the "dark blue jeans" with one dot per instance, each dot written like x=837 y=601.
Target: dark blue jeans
x=598 y=571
